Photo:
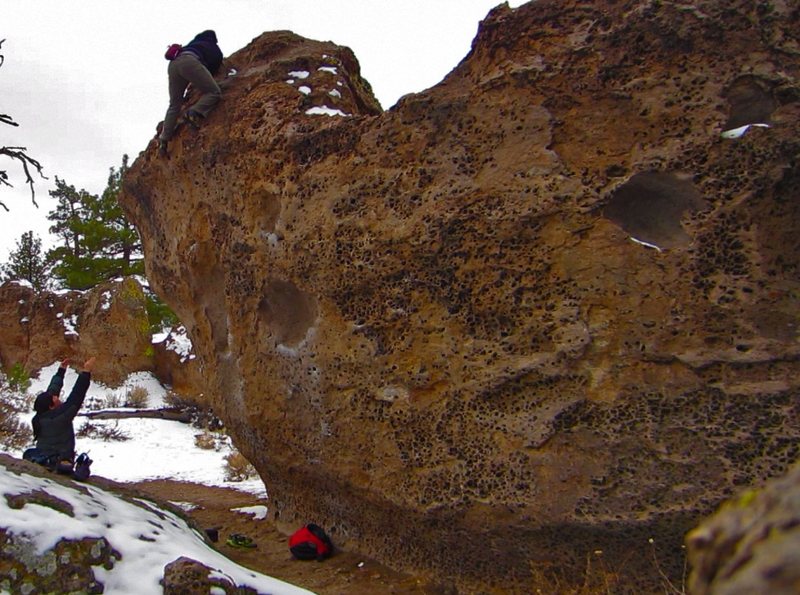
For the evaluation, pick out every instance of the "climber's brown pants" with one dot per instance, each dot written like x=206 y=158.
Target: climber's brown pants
x=185 y=69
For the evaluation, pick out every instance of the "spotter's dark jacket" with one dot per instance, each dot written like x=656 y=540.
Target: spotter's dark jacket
x=53 y=429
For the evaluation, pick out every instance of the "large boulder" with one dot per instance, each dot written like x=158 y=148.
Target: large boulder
x=35 y=329
x=431 y=330
x=109 y=321
x=114 y=325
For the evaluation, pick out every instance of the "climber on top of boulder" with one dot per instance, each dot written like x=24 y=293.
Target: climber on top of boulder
x=196 y=63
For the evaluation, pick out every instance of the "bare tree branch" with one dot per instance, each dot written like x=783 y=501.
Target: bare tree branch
x=19 y=154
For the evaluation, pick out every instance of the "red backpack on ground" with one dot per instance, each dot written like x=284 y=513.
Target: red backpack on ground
x=173 y=51
x=310 y=543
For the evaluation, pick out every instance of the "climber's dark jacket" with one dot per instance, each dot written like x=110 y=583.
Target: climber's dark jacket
x=205 y=47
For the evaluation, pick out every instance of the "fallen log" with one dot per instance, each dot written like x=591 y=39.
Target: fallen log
x=168 y=414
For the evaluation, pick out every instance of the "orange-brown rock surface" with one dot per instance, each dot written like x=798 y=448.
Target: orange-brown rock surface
x=429 y=328
x=109 y=321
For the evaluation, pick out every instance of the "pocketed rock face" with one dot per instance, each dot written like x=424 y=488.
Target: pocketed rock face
x=429 y=329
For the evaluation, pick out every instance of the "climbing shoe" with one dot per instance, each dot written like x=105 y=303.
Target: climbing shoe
x=193 y=118
x=82 y=467
x=240 y=541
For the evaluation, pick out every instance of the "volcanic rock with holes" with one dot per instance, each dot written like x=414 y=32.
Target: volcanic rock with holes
x=543 y=309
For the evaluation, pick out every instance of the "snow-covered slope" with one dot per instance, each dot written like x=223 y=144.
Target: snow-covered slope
x=146 y=536
x=154 y=449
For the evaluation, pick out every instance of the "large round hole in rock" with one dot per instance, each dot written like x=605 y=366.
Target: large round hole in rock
x=650 y=206
x=287 y=311
x=207 y=279
x=265 y=208
x=748 y=103
x=213 y=301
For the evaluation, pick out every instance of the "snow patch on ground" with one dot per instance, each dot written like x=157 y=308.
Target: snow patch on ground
x=147 y=537
x=155 y=448
x=185 y=506
x=259 y=513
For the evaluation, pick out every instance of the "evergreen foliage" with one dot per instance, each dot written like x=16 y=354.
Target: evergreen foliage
x=14 y=433
x=98 y=243
x=159 y=315
x=27 y=263
x=18 y=378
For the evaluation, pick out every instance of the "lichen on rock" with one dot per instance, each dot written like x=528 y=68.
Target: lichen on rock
x=66 y=568
x=751 y=544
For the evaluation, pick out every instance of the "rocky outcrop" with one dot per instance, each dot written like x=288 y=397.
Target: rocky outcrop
x=185 y=576
x=174 y=365
x=66 y=568
x=752 y=544
x=61 y=536
x=430 y=328
x=35 y=330
x=109 y=321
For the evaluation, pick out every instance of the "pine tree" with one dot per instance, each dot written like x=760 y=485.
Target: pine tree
x=98 y=241
x=109 y=233
x=68 y=259
x=26 y=263
x=68 y=215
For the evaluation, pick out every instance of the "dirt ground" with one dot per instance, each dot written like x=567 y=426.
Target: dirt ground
x=343 y=573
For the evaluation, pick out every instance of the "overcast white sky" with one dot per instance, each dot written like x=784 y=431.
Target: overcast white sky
x=86 y=79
